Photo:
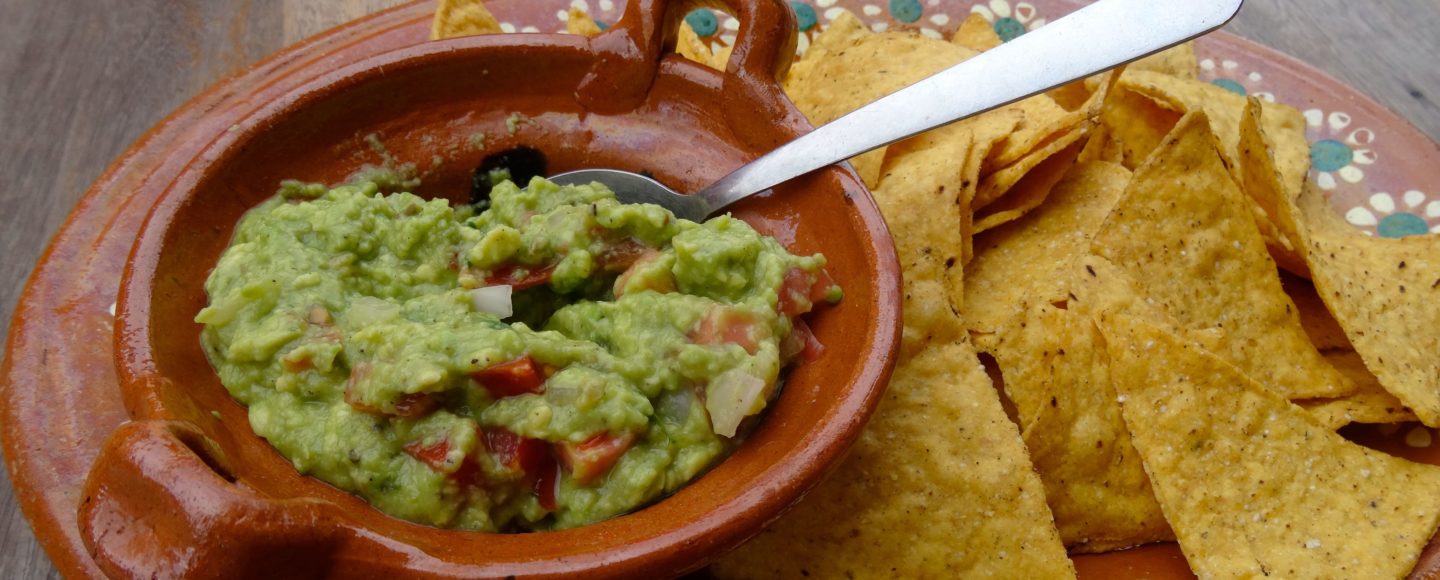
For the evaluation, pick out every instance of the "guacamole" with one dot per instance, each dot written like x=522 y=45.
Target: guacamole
x=555 y=360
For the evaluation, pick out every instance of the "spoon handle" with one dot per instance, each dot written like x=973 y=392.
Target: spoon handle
x=1097 y=37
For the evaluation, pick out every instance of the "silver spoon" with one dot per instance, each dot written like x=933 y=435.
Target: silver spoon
x=1100 y=36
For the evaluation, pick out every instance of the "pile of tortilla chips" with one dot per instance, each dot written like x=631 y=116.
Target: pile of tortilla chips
x=1127 y=319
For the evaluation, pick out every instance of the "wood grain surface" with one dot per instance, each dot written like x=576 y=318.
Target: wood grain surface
x=81 y=79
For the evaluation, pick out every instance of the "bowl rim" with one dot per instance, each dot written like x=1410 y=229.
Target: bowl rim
x=815 y=454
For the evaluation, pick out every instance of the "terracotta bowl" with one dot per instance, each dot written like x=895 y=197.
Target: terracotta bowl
x=186 y=488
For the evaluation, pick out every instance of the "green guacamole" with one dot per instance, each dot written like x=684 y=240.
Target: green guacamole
x=553 y=361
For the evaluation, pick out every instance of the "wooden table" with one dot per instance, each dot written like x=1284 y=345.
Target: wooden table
x=79 y=81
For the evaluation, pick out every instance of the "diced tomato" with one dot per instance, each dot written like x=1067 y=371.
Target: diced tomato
x=468 y=473
x=722 y=325
x=593 y=458
x=801 y=342
x=409 y=405
x=511 y=276
x=531 y=457
x=621 y=255
x=522 y=454
x=547 y=484
x=511 y=378
x=800 y=292
x=433 y=454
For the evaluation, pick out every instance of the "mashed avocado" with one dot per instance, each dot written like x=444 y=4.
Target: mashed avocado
x=363 y=333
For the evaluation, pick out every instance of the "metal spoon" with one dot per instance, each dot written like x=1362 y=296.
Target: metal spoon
x=1100 y=36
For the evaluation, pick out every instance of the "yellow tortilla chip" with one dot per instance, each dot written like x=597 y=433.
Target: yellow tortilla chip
x=1177 y=62
x=1284 y=125
x=976 y=33
x=1268 y=194
x=1034 y=183
x=1369 y=404
x=1184 y=233
x=581 y=23
x=840 y=78
x=1136 y=125
x=1057 y=374
x=1324 y=332
x=842 y=31
x=1254 y=486
x=923 y=172
x=1044 y=122
x=1026 y=262
x=938 y=486
x=1385 y=293
x=455 y=18
x=689 y=45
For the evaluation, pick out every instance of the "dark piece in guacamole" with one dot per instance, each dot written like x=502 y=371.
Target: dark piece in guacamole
x=556 y=360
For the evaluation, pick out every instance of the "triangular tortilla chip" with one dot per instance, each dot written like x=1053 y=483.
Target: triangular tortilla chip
x=1136 y=126
x=1057 y=374
x=1319 y=324
x=1369 y=404
x=938 y=486
x=854 y=69
x=1185 y=234
x=1285 y=138
x=454 y=18
x=1385 y=293
x=1253 y=485
x=1034 y=185
x=1022 y=263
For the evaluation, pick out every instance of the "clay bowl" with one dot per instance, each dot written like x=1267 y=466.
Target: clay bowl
x=186 y=488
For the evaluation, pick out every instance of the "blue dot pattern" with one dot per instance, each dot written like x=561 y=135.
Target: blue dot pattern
x=804 y=15
x=1330 y=155
x=906 y=10
x=1399 y=225
x=1008 y=28
x=703 y=21
x=1229 y=85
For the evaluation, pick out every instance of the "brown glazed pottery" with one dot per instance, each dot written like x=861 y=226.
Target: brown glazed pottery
x=186 y=489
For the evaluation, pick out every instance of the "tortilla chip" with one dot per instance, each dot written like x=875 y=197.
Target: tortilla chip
x=1184 y=233
x=1034 y=184
x=1324 y=332
x=455 y=18
x=854 y=69
x=842 y=31
x=1057 y=374
x=1178 y=62
x=1045 y=121
x=1136 y=124
x=1385 y=293
x=1253 y=485
x=721 y=59
x=1272 y=201
x=976 y=33
x=938 y=486
x=689 y=45
x=1284 y=130
x=1026 y=262
x=1369 y=404
x=581 y=23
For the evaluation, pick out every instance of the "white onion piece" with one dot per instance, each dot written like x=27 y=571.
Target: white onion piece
x=730 y=398
x=493 y=299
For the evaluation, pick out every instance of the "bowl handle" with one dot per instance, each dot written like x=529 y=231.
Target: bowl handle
x=630 y=51
x=157 y=503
